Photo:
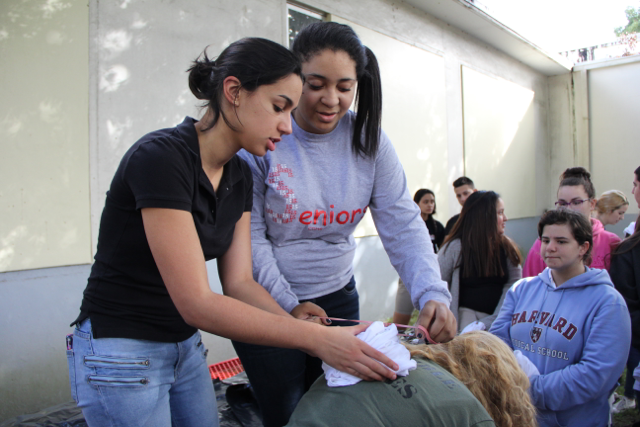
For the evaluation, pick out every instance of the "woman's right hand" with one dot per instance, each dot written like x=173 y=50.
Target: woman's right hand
x=341 y=349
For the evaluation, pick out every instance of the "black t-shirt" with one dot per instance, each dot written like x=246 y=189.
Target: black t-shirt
x=436 y=231
x=452 y=221
x=126 y=296
x=483 y=293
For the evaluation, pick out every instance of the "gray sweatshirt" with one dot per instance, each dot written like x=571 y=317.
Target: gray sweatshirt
x=309 y=195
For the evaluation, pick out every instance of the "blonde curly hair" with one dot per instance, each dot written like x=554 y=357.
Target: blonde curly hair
x=487 y=366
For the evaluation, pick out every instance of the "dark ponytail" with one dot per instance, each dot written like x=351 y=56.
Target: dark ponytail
x=369 y=108
x=252 y=60
x=319 y=36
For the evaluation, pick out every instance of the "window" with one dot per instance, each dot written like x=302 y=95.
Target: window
x=298 y=18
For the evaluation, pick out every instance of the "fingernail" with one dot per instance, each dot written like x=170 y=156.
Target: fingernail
x=329 y=321
x=419 y=335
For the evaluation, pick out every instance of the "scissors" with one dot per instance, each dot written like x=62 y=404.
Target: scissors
x=417 y=332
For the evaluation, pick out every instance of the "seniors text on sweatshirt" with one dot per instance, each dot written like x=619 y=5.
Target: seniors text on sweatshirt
x=309 y=196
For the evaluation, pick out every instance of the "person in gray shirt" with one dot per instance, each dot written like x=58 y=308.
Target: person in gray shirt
x=309 y=196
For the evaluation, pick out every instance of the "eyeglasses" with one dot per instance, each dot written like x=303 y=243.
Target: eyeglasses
x=574 y=202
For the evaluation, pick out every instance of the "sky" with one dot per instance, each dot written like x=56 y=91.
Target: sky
x=561 y=25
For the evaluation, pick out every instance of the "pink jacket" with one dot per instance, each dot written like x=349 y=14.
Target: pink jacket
x=603 y=241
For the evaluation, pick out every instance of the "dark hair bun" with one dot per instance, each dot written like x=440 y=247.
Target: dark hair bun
x=253 y=61
x=200 y=75
x=576 y=172
x=578 y=176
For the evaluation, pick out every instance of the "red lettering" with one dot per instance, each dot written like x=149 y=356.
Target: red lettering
x=304 y=216
x=345 y=220
x=342 y=217
x=514 y=318
x=534 y=313
x=317 y=215
x=523 y=317
x=561 y=324
x=544 y=317
x=570 y=332
x=353 y=214
x=550 y=321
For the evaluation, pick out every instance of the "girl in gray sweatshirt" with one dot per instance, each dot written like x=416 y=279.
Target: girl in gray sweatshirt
x=311 y=192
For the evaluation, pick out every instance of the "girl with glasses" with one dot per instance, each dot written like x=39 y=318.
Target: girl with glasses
x=576 y=193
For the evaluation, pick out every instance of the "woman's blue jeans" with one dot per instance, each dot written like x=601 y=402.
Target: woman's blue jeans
x=128 y=382
x=279 y=377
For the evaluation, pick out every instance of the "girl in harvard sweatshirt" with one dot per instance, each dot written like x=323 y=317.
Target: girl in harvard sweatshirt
x=571 y=326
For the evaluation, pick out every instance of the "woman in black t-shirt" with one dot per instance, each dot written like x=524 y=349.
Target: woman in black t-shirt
x=479 y=262
x=426 y=201
x=181 y=197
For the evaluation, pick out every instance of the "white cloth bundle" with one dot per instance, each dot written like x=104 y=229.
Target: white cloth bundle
x=385 y=340
x=527 y=365
x=630 y=229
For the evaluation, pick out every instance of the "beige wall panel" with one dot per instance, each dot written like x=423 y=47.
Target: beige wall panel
x=44 y=197
x=140 y=55
x=499 y=139
x=413 y=114
x=614 y=104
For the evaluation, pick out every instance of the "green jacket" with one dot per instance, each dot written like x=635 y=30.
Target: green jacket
x=428 y=396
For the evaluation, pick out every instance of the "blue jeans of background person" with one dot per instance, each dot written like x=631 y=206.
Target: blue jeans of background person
x=129 y=382
x=632 y=363
x=279 y=377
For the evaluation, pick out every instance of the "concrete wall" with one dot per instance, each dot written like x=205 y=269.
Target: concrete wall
x=44 y=169
x=137 y=83
x=614 y=108
x=414 y=27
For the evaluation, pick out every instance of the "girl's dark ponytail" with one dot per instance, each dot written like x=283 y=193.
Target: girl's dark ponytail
x=369 y=108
